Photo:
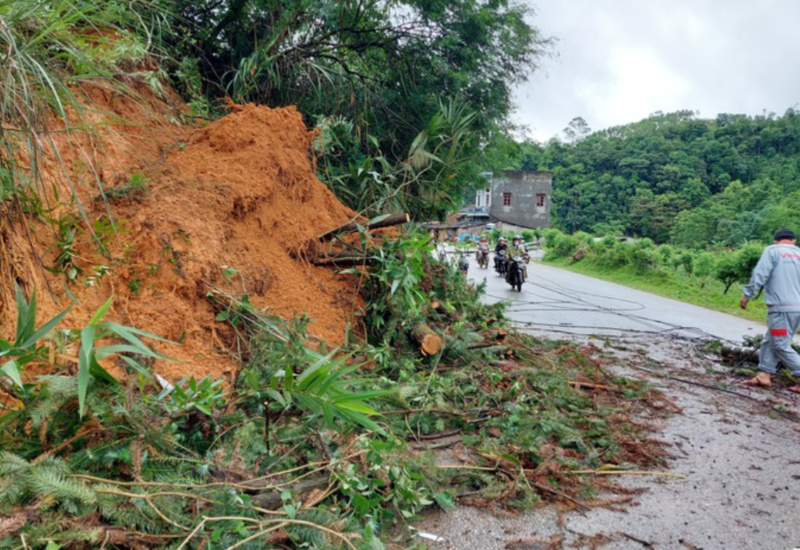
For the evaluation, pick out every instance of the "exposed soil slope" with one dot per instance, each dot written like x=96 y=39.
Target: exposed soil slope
x=239 y=194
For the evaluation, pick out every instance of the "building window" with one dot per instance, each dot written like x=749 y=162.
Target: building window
x=478 y=201
x=506 y=199
x=540 y=200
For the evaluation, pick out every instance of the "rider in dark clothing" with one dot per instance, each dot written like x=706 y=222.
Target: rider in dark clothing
x=500 y=251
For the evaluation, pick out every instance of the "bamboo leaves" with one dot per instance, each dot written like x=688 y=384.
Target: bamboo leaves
x=27 y=345
x=97 y=330
x=24 y=347
x=323 y=389
x=297 y=375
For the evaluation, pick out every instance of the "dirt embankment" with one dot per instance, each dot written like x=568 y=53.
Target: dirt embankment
x=224 y=205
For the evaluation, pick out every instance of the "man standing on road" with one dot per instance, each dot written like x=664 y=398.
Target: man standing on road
x=778 y=273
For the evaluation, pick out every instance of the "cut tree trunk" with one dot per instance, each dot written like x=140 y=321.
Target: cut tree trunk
x=429 y=342
x=342 y=259
x=739 y=354
x=389 y=221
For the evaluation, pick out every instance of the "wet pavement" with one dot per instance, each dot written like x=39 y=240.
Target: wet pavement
x=739 y=451
x=554 y=299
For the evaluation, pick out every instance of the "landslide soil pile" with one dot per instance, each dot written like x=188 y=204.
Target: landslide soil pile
x=228 y=206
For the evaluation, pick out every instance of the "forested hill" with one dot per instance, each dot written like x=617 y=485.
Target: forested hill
x=676 y=178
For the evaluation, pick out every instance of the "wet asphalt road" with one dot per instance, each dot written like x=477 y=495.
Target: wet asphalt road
x=554 y=300
x=740 y=460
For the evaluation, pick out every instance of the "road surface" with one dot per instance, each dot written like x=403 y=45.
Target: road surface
x=736 y=447
x=554 y=300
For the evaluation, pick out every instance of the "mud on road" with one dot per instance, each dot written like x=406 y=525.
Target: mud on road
x=739 y=453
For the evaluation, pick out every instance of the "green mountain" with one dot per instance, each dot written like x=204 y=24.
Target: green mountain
x=677 y=178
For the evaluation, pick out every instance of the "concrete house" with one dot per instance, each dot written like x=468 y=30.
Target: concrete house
x=515 y=199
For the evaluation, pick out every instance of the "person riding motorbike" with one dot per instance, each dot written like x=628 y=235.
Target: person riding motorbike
x=483 y=252
x=463 y=264
x=499 y=254
x=518 y=248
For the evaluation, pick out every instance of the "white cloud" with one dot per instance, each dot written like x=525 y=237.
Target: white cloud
x=620 y=60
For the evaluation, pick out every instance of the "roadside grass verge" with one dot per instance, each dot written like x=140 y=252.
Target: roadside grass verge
x=709 y=294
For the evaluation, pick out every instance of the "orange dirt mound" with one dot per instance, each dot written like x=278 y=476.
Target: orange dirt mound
x=241 y=195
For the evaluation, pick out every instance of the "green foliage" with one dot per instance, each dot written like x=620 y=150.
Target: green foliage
x=560 y=245
x=134 y=189
x=286 y=373
x=27 y=345
x=425 y=183
x=530 y=236
x=388 y=139
x=66 y=228
x=322 y=389
x=51 y=48
x=676 y=178
x=736 y=267
x=393 y=289
x=189 y=395
x=394 y=488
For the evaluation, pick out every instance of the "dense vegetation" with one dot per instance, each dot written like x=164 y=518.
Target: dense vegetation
x=407 y=93
x=307 y=449
x=676 y=178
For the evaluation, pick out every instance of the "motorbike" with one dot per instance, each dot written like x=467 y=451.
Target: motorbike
x=526 y=258
x=483 y=258
x=500 y=264
x=514 y=274
x=463 y=265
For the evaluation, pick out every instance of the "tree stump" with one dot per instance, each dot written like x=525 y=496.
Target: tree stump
x=430 y=343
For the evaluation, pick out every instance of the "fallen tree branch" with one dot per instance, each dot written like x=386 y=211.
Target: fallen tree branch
x=625 y=473
x=342 y=260
x=388 y=221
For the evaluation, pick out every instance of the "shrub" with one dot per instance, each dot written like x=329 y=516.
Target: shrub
x=550 y=238
x=706 y=265
x=565 y=246
x=642 y=259
x=687 y=262
x=615 y=254
x=529 y=235
x=737 y=266
x=583 y=238
x=665 y=252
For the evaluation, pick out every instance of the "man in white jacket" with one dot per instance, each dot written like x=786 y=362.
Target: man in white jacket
x=778 y=273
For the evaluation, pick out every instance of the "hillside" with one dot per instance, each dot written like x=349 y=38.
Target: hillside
x=677 y=178
x=226 y=205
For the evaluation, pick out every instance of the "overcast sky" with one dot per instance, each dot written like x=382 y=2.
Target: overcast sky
x=617 y=61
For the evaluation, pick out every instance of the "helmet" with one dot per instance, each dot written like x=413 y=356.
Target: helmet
x=518 y=237
x=501 y=240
